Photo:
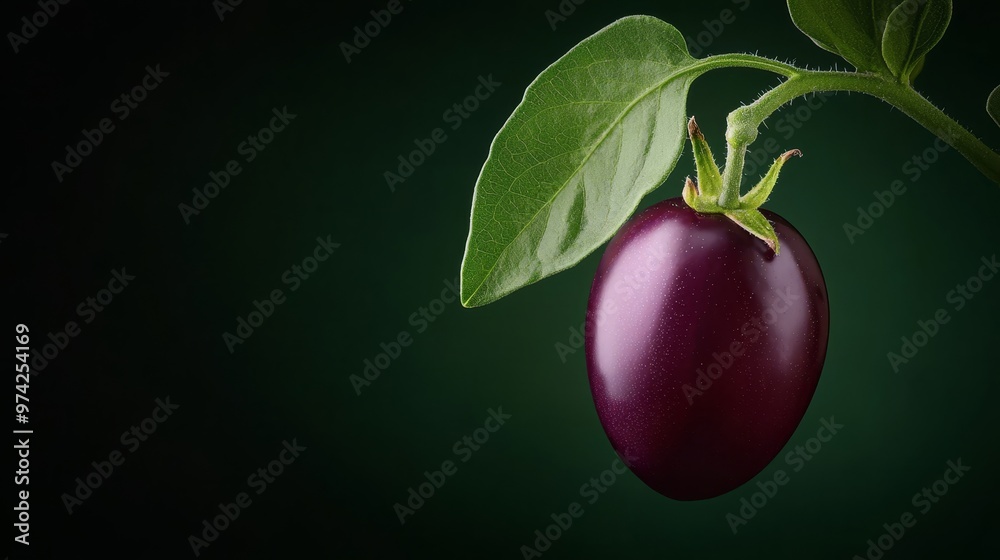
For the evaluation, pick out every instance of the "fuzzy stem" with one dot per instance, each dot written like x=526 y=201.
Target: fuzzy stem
x=733 y=174
x=745 y=121
x=748 y=61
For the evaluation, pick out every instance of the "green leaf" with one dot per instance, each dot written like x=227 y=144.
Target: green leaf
x=758 y=195
x=993 y=105
x=880 y=13
x=596 y=131
x=755 y=222
x=913 y=29
x=709 y=176
x=850 y=28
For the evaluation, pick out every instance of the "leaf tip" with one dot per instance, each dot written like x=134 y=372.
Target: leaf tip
x=690 y=193
x=693 y=130
x=770 y=238
x=466 y=292
x=690 y=184
x=788 y=155
x=755 y=223
x=773 y=244
x=466 y=295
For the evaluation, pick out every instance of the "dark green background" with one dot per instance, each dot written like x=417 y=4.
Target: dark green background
x=323 y=176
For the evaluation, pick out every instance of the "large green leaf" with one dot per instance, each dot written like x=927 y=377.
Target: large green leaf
x=596 y=131
x=993 y=105
x=851 y=28
x=913 y=29
x=881 y=11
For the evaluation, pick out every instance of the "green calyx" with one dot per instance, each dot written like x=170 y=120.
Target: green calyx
x=706 y=194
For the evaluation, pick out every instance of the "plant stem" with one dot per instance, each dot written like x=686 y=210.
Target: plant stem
x=743 y=123
x=747 y=61
x=733 y=173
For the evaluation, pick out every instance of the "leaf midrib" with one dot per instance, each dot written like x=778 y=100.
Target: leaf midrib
x=694 y=66
x=908 y=62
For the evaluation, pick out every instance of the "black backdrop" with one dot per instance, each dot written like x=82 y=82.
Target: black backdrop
x=317 y=187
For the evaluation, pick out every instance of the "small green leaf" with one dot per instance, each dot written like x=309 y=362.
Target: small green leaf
x=850 y=28
x=758 y=195
x=596 y=131
x=692 y=196
x=993 y=105
x=755 y=222
x=913 y=29
x=709 y=176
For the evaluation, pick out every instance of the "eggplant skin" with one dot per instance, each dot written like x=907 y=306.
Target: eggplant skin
x=704 y=347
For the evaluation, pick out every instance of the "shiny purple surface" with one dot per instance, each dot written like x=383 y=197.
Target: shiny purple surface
x=703 y=347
